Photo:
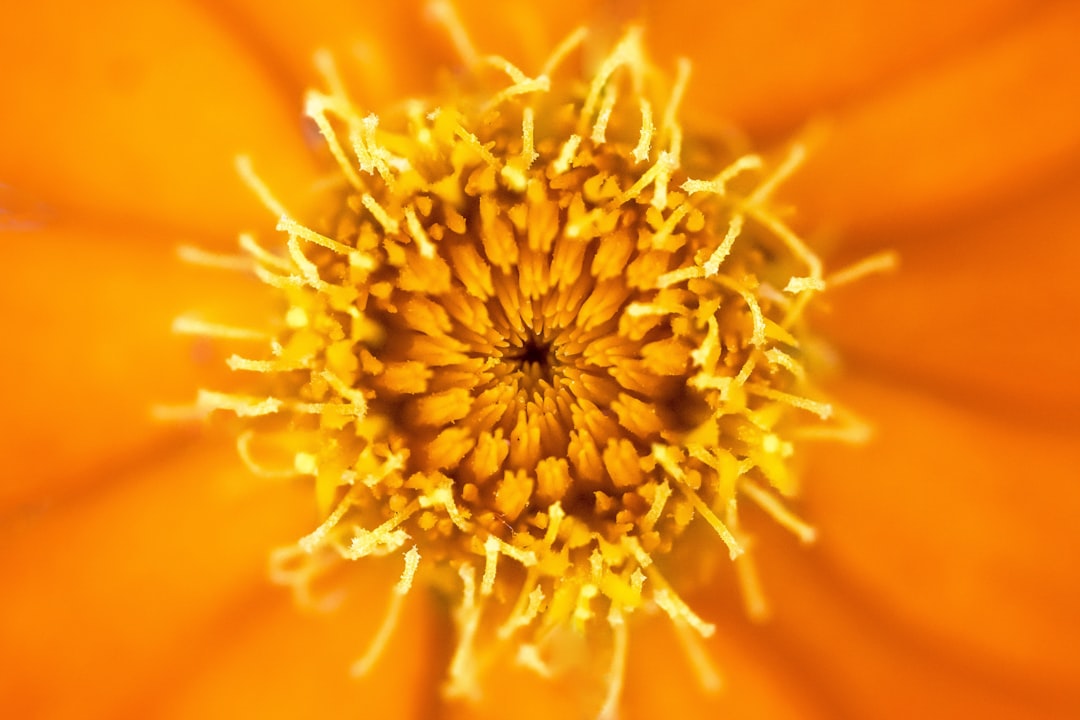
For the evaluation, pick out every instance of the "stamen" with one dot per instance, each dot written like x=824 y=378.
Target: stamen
x=242 y=405
x=354 y=396
x=778 y=357
x=794 y=243
x=707 y=353
x=566 y=155
x=669 y=225
x=661 y=169
x=286 y=223
x=528 y=152
x=694 y=647
x=443 y=496
x=854 y=433
x=822 y=410
x=309 y=271
x=753 y=596
x=205 y=258
x=184 y=325
x=567 y=46
x=616 y=674
x=476 y=145
x=744 y=373
x=281 y=282
x=243 y=447
x=315 y=538
x=681 y=275
x=386 y=629
x=315 y=108
x=298 y=570
x=526 y=608
x=783 y=171
x=352 y=411
x=882 y=262
x=507 y=67
x=627 y=52
x=669 y=125
x=247 y=173
x=491 y=559
x=235 y=362
x=525 y=557
x=678 y=611
x=419 y=236
x=666 y=456
x=444 y=12
x=668 y=165
x=712 y=265
x=641 y=152
x=462 y=680
x=777 y=511
x=604 y=116
x=647 y=309
x=372 y=157
x=385 y=539
x=249 y=245
x=389 y=224
x=328 y=69
x=718 y=185
x=758 y=317
x=528 y=656
x=523 y=84
x=660 y=498
x=803 y=284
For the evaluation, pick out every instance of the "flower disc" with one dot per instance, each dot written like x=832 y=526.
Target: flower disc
x=530 y=342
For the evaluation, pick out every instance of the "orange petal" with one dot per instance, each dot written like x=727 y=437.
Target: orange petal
x=961 y=529
x=135 y=112
x=374 y=45
x=277 y=662
x=89 y=352
x=873 y=666
x=768 y=65
x=390 y=52
x=660 y=680
x=986 y=312
x=964 y=136
x=105 y=597
x=757 y=681
x=527 y=32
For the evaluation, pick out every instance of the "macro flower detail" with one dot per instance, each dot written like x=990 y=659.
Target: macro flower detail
x=532 y=337
x=134 y=552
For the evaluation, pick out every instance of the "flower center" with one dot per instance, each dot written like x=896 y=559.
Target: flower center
x=534 y=358
x=526 y=349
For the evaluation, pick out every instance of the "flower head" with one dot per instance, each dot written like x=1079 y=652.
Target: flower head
x=534 y=336
x=133 y=552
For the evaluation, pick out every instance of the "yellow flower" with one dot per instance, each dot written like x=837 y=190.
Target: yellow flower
x=134 y=554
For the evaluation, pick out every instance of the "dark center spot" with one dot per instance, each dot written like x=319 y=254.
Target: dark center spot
x=534 y=352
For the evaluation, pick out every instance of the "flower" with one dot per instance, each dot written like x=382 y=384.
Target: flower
x=134 y=553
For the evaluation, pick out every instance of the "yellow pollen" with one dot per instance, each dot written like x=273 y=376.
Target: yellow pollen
x=525 y=341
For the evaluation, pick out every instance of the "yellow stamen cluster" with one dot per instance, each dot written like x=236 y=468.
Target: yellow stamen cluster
x=526 y=350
